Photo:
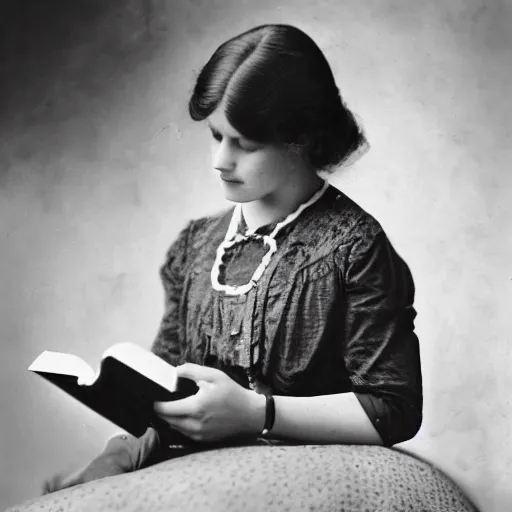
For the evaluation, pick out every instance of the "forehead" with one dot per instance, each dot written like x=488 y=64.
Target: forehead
x=218 y=121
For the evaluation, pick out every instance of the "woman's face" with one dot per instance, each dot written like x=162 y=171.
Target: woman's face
x=249 y=170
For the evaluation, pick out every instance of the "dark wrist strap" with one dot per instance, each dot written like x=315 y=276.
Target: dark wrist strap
x=270 y=415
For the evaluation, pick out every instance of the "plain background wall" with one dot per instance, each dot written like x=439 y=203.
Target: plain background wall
x=100 y=167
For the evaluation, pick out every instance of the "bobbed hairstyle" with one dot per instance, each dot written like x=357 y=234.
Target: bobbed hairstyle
x=276 y=86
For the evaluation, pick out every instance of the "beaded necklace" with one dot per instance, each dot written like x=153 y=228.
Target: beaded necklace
x=232 y=238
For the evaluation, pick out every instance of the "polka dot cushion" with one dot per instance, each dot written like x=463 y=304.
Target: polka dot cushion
x=269 y=478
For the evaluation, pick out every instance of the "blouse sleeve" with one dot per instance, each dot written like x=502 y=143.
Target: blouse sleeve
x=382 y=350
x=172 y=274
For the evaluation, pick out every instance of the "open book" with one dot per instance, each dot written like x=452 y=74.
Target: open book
x=128 y=381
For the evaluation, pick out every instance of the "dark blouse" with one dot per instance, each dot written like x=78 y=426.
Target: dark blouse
x=332 y=313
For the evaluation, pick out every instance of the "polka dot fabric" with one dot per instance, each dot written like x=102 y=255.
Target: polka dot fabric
x=309 y=478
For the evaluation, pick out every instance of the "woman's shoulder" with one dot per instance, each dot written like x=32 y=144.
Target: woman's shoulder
x=341 y=222
x=208 y=228
x=350 y=213
x=357 y=235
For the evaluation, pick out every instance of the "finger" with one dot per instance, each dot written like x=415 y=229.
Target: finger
x=185 y=407
x=198 y=373
x=190 y=427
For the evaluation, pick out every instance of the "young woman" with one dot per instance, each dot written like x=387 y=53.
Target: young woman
x=291 y=310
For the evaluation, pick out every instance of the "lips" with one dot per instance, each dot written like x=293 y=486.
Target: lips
x=229 y=180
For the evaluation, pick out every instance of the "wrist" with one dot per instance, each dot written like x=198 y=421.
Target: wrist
x=270 y=415
x=257 y=413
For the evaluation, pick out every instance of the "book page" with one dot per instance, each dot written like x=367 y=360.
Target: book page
x=63 y=364
x=146 y=363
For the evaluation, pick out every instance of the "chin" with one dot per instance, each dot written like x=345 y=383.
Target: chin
x=238 y=196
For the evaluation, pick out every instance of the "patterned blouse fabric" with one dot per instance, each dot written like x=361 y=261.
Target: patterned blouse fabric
x=332 y=313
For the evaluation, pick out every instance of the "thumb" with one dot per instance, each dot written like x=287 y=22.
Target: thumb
x=198 y=373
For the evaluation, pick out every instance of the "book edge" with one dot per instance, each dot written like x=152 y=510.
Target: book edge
x=144 y=362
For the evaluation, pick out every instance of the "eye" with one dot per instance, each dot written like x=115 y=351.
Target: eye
x=216 y=135
x=248 y=145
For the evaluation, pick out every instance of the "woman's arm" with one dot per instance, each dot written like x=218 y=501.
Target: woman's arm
x=381 y=349
x=172 y=274
x=223 y=409
x=326 y=419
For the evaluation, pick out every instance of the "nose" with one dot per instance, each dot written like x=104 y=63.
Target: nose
x=223 y=156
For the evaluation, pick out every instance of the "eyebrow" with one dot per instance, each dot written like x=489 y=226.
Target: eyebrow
x=239 y=137
x=215 y=130
x=212 y=128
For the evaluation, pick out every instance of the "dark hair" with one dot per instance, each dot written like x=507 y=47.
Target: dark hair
x=277 y=86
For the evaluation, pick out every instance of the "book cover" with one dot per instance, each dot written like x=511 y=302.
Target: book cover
x=129 y=380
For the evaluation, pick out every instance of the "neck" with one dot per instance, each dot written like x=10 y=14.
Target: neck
x=279 y=204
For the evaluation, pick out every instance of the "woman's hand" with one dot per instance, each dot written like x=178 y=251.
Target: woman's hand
x=122 y=454
x=101 y=467
x=220 y=409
